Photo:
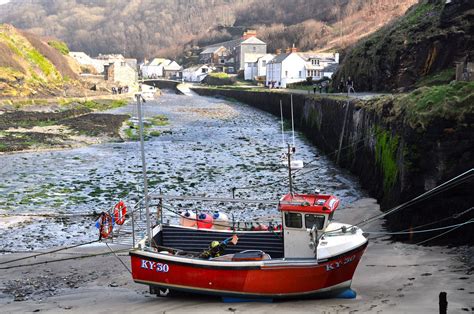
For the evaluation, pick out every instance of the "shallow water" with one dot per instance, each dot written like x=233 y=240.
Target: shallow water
x=215 y=145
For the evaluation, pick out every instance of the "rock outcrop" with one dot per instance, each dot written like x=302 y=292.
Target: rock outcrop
x=421 y=46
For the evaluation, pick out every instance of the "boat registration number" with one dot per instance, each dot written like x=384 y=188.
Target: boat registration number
x=158 y=267
x=339 y=263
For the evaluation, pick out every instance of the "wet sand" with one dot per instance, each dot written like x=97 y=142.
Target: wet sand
x=391 y=278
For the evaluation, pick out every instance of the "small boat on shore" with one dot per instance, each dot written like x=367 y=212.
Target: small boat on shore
x=310 y=256
x=305 y=255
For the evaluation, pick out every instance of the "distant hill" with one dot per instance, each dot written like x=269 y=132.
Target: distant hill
x=30 y=65
x=144 y=29
x=420 y=48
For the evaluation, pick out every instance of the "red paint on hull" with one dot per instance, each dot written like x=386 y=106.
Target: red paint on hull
x=284 y=280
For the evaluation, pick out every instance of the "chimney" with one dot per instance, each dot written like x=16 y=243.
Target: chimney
x=278 y=51
x=294 y=49
x=249 y=33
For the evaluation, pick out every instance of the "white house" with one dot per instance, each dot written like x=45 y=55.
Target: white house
x=84 y=59
x=320 y=65
x=172 y=69
x=153 y=68
x=256 y=66
x=285 y=68
x=196 y=73
x=251 y=66
x=262 y=64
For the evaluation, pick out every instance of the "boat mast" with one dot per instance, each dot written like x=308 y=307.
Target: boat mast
x=139 y=98
x=292 y=120
x=282 y=127
x=289 y=170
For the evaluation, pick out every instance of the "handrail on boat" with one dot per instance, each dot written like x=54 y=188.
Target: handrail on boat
x=211 y=199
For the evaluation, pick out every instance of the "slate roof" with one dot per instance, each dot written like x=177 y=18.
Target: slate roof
x=279 y=58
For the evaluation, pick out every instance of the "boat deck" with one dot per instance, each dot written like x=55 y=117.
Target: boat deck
x=197 y=240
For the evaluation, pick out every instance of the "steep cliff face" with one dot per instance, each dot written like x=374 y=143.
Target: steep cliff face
x=422 y=45
x=394 y=158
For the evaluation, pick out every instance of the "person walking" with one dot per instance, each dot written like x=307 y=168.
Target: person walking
x=349 y=84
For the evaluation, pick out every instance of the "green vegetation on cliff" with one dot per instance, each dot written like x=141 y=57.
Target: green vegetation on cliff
x=386 y=147
x=28 y=65
x=420 y=48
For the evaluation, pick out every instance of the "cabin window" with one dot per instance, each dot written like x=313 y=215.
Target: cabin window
x=310 y=220
x=293 y=220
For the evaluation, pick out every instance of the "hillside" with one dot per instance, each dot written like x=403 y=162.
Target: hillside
x=418 y=49
x=144 y=29
x=31 y=66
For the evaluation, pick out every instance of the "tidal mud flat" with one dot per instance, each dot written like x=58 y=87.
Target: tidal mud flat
x=214 y=146
x=55 y=126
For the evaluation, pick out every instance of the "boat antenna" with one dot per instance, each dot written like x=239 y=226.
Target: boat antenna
x=292 y=120
x=282 y=127
x=289 y=170
x=139 y=98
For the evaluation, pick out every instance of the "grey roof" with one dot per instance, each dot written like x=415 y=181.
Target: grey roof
x=227 y=44
x=331 y=67
x=279 y=58
x=231 y=44
x=211 y=49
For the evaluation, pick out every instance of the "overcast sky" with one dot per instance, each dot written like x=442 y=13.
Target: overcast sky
x=4 y=1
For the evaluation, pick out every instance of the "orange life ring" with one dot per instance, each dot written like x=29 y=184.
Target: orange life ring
x=105 y=225
x=120 y=210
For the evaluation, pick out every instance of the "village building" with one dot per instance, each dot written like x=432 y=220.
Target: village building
x=121 y=73
x=257 y=70
x=196 y=73
x=285 y=68
x=172 y=70
x=214 y=55
x=320 y=65
x=235 y=53
x=87 y=62
x=160 y=68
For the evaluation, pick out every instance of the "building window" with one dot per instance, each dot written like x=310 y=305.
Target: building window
x=254 y=48
x=203 y=70
x=299 y=73
x=123 y=63
x=286 y=73
x=264 y=63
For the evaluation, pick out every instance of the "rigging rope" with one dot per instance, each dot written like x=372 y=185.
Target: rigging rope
x=49 y=252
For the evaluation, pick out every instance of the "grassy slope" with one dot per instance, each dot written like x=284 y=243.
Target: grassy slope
x=29 y=65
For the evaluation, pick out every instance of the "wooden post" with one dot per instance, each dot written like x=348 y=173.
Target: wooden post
x=443 y=303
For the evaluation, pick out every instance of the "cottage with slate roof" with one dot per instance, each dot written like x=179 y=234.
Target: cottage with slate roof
x=238 y=51
x=285 y=68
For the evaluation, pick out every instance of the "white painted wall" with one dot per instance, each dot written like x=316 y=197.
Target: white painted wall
x=195 y=75
x=149 y=71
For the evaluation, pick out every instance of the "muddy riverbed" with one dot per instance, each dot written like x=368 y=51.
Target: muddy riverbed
x=209 y=147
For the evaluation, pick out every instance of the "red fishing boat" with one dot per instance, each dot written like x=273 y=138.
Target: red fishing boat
x=307 y=255
x=310 y=256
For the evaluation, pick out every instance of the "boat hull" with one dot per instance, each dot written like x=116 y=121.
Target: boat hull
x=276 y=278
